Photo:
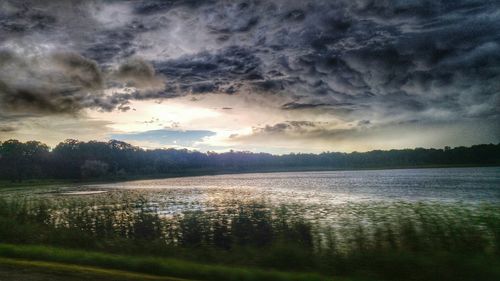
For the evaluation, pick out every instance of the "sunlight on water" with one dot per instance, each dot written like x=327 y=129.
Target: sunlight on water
x=82 y=192
x=314 y=195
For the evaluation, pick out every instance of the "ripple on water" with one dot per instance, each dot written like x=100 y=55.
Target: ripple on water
x=318 y=195
x=89 y=192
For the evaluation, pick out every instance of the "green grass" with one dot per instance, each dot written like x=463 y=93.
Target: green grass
x=32 y=270
x=374 y=241
x=34 y=183
x=147 y=265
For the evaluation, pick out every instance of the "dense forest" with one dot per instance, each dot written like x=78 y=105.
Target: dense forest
x=74 y=159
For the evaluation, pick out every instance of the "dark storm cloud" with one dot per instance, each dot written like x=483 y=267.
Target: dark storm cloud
x=364 y=122
x=158 y=6
x=359 y=60
x=6 y=129
x=296 y=105
x=136 y=69
x=66 y=83
x=301 y=130
x=138 y=73
x=224 y=71
x=331 y=105
x=58 y=83
x=110 y=44
x=18 y=18
x=287 y=126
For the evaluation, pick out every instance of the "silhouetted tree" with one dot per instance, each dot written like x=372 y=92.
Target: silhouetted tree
x=73 y=159
x=20 y=161
x=94 y=169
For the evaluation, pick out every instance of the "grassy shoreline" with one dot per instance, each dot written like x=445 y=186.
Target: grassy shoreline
x=397 y=241
x=255 y=241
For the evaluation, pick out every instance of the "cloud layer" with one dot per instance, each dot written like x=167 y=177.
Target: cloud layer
x=374 y=62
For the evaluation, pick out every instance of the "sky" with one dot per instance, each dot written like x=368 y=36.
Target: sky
x=263 y=76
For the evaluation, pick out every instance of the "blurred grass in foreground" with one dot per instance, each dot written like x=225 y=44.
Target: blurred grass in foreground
x=36 y=270
x=374 y=241
x=149 y=265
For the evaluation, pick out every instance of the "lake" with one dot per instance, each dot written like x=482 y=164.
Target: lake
x=312 y=194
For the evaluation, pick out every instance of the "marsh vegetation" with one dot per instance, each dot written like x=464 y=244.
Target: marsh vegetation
x=387 y=241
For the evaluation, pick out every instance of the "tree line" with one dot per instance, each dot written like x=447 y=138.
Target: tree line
x=73 y=159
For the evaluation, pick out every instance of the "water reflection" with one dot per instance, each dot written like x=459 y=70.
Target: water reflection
x=314 y=195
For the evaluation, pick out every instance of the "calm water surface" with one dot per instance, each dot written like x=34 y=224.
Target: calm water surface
x=444 y=184
x=314 y=193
